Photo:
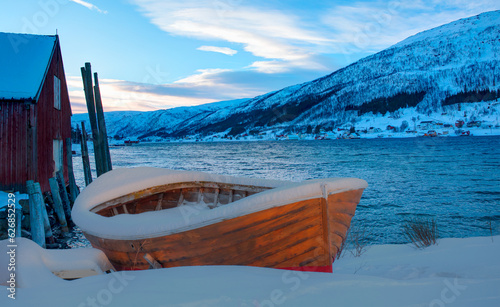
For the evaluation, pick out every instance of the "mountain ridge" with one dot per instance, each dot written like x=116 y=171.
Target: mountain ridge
x=422 y=71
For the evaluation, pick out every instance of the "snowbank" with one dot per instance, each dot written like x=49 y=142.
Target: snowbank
x=35 y=266
x=456 y=272
x=159 y=223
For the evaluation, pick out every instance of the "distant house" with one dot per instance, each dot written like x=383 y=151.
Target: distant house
x=427 y=124
x=35 y=112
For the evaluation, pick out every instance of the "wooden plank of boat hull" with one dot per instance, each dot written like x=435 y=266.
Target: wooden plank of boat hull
x=204 y=240
x=257 y=253
x=148 y=204
x=218 y=260
x=253 y=249
x=341 y=209
x=244 y=224
x=236 y=248
x=194 y=240
x=313 y=251
x=292 y=254
x=251 y=226
x=345 y=202
x=339 y=225
x=336 y=242
x=252 y=223
x=312 y=257
x=191 y=194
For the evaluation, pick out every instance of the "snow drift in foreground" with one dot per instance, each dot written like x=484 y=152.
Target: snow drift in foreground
x=456 y=272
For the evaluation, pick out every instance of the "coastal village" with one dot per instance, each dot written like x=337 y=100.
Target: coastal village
x=471 y=119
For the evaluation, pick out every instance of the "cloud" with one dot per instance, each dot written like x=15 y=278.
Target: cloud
x=267 y=33
x=287 y=37
x=206 y=85
x=223 y=50
x=203 y=87
x=120 y=95
x=373 y=26
x=89 y=5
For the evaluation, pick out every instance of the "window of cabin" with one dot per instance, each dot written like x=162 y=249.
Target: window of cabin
x=57 y=93
x=57 y=151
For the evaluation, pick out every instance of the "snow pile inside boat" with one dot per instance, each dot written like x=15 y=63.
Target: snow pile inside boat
x=121 y=182
x=37 y=267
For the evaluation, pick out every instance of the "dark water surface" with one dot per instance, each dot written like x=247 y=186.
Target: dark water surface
x=455 y=179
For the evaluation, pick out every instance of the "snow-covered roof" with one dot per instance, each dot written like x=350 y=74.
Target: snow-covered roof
x=124 y=181
x=24 y=59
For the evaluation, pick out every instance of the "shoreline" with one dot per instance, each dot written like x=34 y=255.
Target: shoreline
x=474 y=133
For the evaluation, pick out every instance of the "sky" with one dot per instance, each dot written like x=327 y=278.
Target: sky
x=159 y=54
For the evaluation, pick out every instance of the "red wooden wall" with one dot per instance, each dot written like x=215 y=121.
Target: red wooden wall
x=27 y=131
x=14 y=159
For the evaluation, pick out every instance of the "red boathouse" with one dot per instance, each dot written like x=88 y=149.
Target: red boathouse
x=35 y=112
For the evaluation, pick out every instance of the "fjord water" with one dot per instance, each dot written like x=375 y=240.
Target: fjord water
x=454 y=179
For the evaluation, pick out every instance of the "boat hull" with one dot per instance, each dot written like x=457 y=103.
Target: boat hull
x=305 y=235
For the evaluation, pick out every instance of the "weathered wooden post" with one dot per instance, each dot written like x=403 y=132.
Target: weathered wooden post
x=49 y=237
x=36 y=217
x=85 y=157
x=103 y=134
x=89 y=97
x=64 y=196
x=72 y=183
x=58 y=207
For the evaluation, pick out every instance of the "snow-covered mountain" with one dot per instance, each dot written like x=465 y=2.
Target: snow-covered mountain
x=433 y=70
x=133 y=124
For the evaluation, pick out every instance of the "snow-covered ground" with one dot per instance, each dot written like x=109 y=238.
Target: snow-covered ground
x=456 y=272
x=444 y=122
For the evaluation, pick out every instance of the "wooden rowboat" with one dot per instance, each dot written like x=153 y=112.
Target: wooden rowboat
x=151 y=218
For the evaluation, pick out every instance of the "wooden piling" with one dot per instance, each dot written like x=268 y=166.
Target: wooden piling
x=36 y=217
x=58 y=206
x=49 y=237
x=103 y=134
x=85 y=157
x=64 y=196
x=72 y=183
x=89 y=97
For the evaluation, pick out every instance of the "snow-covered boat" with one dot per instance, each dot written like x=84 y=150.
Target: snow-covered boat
x=150 y=218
